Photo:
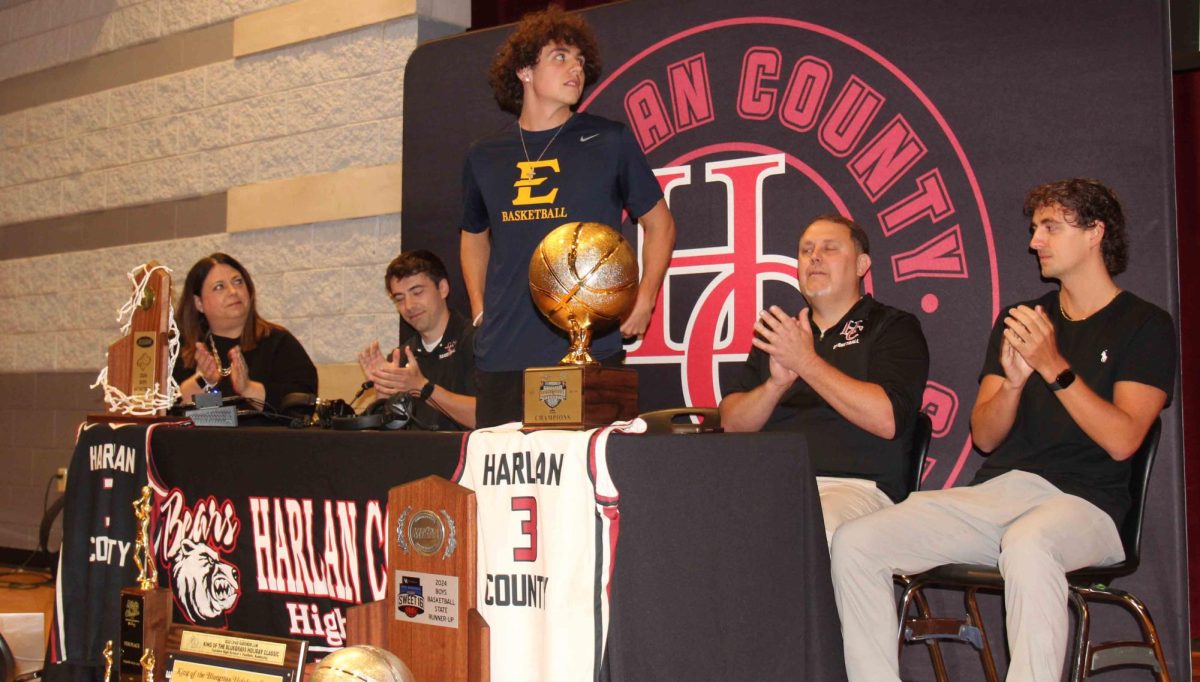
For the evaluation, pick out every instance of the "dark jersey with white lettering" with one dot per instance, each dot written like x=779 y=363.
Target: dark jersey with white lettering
x=875 y=343
x=106 y=476
x=589 y=170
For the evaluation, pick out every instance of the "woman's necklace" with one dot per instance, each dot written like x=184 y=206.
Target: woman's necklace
x=212 y=343
x=529 y=170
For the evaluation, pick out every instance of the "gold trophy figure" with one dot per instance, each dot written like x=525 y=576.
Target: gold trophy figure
x=147 y=662
x=583 y=278
x=146 y=607
x=143 y=550
x=108 y=661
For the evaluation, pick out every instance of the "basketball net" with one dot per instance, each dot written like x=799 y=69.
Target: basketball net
x=153 y=400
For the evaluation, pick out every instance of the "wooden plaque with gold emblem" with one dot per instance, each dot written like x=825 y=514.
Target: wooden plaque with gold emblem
x=579 y=396
x=138 y=360
x=433 y=623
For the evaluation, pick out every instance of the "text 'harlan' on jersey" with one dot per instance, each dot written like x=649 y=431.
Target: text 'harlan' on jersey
x=513 y=468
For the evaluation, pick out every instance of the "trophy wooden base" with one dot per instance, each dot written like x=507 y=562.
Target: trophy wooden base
x=579 y=396
x=145 y=619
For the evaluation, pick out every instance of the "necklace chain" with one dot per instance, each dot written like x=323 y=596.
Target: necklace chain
x=1063 y=311
x=222 y=370
x=521 y=134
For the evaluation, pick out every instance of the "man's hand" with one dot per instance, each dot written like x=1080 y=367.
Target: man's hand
x=638 y=320
x=780 y=375
x=788 y=340
x=393 y=378
x=1016 y=370
x=1031 y=333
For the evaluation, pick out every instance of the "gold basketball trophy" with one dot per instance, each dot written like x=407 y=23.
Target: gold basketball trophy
x=584 y=278
x=145 y=609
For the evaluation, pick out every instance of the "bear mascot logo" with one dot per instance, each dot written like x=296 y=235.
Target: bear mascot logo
x=205 y=586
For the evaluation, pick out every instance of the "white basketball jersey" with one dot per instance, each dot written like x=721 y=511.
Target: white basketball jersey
x=548 y=522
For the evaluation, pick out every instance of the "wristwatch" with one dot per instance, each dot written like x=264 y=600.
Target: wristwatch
x=1064 y=379
x=426 y=390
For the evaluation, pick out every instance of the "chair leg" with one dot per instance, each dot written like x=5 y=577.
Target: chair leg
x=1146 y=653
x=1081 y=658
x=985 y=651
x=935 y=649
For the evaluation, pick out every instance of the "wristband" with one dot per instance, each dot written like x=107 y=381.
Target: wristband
x=426 y=390
x=1064 y=379
x=202 y=382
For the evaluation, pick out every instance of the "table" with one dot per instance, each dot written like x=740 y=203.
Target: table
x=721 y=568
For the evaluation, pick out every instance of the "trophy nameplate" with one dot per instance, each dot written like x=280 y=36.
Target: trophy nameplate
x=145 y=617
x=146 y=608
x=579 y=396
x=201 y=653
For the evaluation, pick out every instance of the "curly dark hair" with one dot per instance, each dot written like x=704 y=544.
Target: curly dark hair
x=1086 y=201
x=411 y=263
x=524 y=45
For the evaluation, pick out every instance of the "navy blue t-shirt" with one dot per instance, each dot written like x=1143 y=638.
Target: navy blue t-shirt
x=592 y=171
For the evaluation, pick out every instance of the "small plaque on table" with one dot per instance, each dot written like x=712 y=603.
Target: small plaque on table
x=208 y=654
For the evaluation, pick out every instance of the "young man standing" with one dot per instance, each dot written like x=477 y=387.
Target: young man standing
x=847 y=374
x=551 y=166
x=1070 y=386
x=435 y=365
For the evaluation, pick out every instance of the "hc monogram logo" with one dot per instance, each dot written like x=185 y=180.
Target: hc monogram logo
x=821 y=122
x=735 y=292
x=851 y=329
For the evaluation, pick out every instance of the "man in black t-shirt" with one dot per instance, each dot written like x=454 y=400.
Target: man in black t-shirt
x=1070 y=386
x=435 y=366
x=549 y=167
x=847 y=373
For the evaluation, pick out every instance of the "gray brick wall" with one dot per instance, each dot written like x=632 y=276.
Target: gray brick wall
x=319 y=106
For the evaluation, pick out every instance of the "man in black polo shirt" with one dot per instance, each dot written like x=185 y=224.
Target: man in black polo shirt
x=847 y=373
x=435 y=365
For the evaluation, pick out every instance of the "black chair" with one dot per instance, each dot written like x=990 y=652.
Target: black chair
x=922 y=434
x=1085 y=585
x=679 y=420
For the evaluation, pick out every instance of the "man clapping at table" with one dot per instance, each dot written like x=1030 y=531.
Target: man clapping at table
x=848 y=373
x=436 y=365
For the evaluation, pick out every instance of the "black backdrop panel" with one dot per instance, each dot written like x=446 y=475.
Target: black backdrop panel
x=926 y=123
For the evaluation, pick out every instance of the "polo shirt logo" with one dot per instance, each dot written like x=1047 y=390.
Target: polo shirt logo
x=851 y=329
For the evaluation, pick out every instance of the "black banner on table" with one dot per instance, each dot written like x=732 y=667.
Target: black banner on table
x=295 y=533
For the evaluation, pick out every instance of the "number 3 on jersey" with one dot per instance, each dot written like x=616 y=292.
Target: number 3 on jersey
x=528 y=528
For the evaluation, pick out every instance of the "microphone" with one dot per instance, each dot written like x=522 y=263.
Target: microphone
x=366 y=386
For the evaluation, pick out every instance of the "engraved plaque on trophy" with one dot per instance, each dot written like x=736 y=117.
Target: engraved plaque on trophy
x=433 y=623
x=146 y=608
x=583 y=278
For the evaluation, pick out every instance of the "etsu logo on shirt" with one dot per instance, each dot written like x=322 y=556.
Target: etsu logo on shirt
x=529 y=181
x=850 y=332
